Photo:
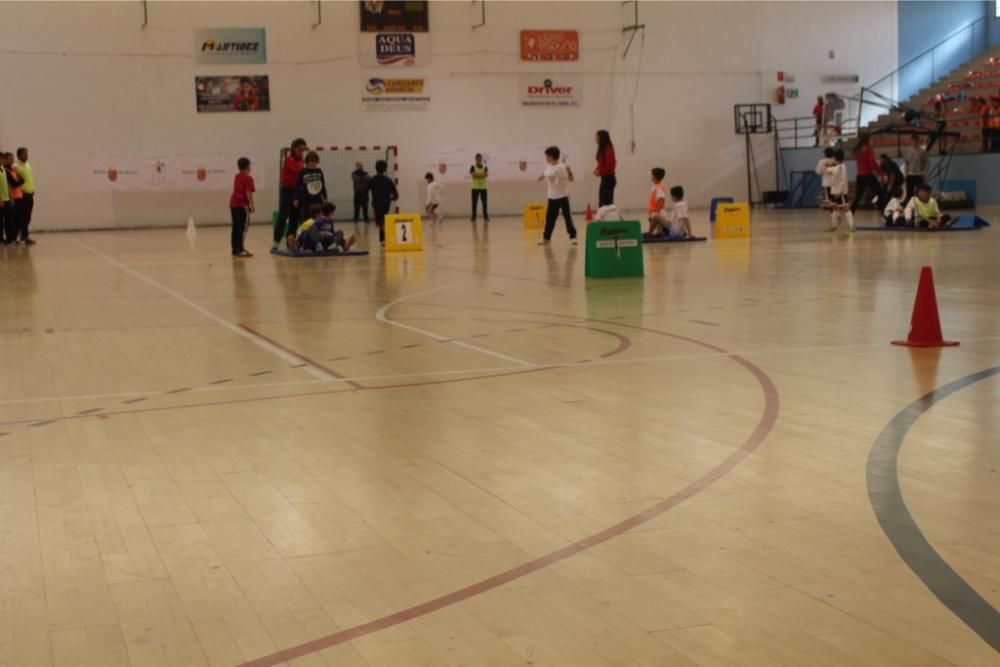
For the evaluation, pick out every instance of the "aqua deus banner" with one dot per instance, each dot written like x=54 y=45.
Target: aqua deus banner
x=230 y=46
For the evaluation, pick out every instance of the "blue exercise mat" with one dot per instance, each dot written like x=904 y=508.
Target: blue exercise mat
x=963 y=223
x=664 y=239
x=285 y=252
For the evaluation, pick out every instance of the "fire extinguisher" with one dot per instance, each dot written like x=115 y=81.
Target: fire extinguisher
x=781 y=94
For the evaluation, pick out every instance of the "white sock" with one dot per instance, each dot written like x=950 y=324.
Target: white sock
x=835 y=218
x=850 y=219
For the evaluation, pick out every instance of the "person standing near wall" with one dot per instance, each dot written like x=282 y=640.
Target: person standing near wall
x=605 y=170
x=14 y=183
x=23 y=169
x=868 y=173
x=8 y=230
x=286 y=192
x=915 y=160
x=359 y=179
x=480 y=172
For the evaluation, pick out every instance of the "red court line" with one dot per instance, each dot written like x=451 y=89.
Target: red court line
x=305 y=359
x=768 y=418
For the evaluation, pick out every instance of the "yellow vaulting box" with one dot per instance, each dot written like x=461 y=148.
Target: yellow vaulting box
x=732 y=221
x=534 y=216
x=403 y=231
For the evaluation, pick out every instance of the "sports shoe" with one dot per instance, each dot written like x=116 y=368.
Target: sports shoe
x=543 y=242
x=574 y=241
x=274 y=246
x=851 y=230
x=831 y=229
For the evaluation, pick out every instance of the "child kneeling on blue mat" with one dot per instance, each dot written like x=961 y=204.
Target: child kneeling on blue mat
x=317 y=234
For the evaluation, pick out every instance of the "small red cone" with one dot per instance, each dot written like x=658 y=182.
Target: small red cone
x=590 y=213
x=925 y=326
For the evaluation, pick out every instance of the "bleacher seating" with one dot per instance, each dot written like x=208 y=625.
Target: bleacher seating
x=950 y=98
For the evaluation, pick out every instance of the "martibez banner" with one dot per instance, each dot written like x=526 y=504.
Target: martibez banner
x=230 y=46
x=232 y=93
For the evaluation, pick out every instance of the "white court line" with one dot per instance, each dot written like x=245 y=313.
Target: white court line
x=160 y=393
x=226 y=324
x=381 y=317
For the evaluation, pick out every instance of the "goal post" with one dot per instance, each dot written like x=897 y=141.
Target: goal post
x=337 y=163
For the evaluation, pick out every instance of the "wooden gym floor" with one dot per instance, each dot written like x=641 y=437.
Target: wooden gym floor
x=473 y=456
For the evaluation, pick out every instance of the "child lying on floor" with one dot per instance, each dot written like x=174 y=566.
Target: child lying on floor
x=317 y=233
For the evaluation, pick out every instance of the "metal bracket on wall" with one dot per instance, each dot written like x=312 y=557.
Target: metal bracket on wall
x=634 y=28
x=145 y=13
x=482 y=21
x=319 y=15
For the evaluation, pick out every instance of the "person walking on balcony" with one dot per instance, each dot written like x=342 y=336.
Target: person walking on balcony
x=818 y=115
x=868 y=173
x=915 y=160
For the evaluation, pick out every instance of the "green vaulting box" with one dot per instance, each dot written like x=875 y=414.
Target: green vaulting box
x=614 y=249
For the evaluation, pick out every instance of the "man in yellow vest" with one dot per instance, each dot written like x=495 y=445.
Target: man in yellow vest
x=480 y=172
x=27 y=202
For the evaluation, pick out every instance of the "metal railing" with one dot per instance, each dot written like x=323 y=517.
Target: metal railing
x=800 y=132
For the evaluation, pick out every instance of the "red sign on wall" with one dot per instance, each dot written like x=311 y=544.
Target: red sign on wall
x=550 y=45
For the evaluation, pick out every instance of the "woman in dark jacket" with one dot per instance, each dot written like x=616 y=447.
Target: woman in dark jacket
x=605 y=169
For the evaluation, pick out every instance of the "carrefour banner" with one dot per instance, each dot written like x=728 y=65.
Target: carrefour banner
x=385 y=94
x=230 y=46
x=168 y=173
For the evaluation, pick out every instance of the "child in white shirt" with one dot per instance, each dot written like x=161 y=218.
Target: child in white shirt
x=893 y=213
x=558 y=175
x=680 y=224
x=838 y=194
x=434 y=192
x=822 y=166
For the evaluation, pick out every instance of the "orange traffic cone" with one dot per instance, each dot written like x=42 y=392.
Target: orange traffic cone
x=925 y=326
x=590 y=213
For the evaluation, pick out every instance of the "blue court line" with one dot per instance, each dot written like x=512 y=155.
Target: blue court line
x=897 y=523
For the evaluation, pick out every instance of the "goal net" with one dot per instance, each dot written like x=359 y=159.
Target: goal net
x=337 y=163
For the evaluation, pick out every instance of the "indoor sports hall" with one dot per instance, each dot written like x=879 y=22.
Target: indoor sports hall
x=397 y=334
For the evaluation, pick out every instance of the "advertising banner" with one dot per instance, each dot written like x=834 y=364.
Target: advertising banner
x=550 y=45
x=395 y=16
x=167 y=173
x=394 y=49
x=395 y=95
x=232 y=93
x=551 y=90
x=230 y=46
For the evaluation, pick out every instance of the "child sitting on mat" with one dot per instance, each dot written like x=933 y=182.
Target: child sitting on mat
x=658 y=217
x=680 y=224
x=893 y=213
x=923 y=211
x=317 y=233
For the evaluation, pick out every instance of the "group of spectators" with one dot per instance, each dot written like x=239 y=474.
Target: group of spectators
x=17 y=197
